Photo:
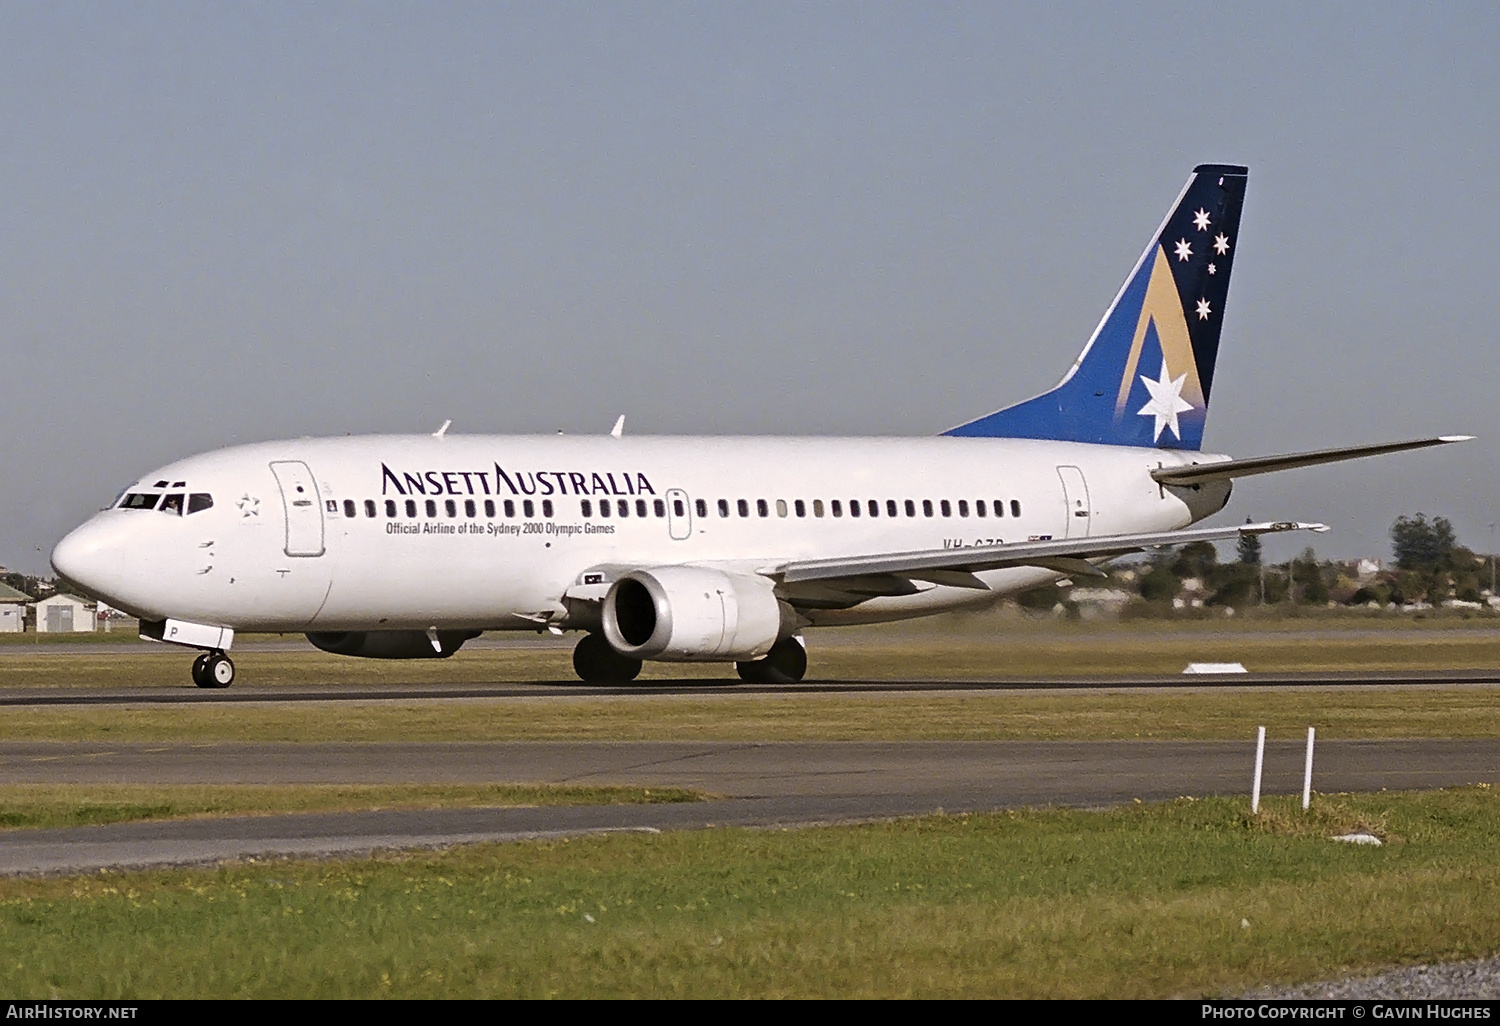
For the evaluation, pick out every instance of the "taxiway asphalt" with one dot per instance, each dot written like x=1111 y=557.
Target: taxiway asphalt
x=754 y=784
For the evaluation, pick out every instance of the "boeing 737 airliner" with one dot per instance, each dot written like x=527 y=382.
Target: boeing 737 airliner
x=704 y=548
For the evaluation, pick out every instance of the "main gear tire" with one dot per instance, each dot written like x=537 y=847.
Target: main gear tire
x=786 y=663
x=596 y=662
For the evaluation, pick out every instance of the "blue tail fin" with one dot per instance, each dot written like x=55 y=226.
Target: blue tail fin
x=1144 y=378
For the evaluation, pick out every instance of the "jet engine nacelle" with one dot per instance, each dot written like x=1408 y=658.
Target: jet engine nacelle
x=690 y=614
x=390 y=644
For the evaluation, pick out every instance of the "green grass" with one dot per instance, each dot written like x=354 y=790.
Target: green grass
x=1186 y=898
x=1338 y=713
x=66 y=805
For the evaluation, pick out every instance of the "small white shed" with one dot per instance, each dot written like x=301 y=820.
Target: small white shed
x=12 y=609
x=63 y=614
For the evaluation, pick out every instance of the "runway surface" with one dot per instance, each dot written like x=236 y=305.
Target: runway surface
x=761 y=784
x=186 y=694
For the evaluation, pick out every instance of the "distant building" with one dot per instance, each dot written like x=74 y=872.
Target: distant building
x=62 y=614
x=12 y=610
x=1366 y=569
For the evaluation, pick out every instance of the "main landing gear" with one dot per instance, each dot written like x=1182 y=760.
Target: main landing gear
x=786 y=663
x=597 y=663
x=213 y=670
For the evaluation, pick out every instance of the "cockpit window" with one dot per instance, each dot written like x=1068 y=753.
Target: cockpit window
x=140 y=500
x=200 y=501
x=172 y=504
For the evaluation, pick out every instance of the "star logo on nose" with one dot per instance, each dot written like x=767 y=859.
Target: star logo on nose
x=249 y=506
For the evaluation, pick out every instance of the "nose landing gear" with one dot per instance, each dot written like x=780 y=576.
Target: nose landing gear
x=213 y=670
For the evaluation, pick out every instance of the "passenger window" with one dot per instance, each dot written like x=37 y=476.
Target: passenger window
x=510 y=509
x=411 y=507
x=890 y=507
x=927 y=507
x=470 y=510
x=817 y=507
x=979 y=507
x=1015 y=507
x=547 y=508
x=369 y=507
x=622 y=506
x=963 y=507
x=659 y=507
x=390 y=507
x=604 y=508
x=432 y=507
x=349 y=510
x=835 y=507
x=800 y=507
x=854 y=507
x=172 y=504
x=874 y=508
x=640 y=507
x=528 y=509
x=200 y=501
x=761 y=508
x=911 y=508
x=701 y=505
x=999 y=507
x=679 y=508
x=781 y=507
x=743 y=506
x=723 y=507
x=586 y=506
x=489 y=508
x=450 y=507
x=945 y=507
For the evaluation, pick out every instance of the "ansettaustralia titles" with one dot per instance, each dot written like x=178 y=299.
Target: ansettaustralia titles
x=516 y=482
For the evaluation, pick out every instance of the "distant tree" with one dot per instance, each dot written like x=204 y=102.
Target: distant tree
x=1248 y=548
x=1421 y=545
x=1159 y=585
x=1308 y=574
x=1196 y=559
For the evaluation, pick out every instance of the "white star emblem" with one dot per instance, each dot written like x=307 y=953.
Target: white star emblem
x=1183 y=249
x=1221 y=244
x=1200 y=220
x=1203 y=310
x=1166 y=401
x=1212 y=269
x=249 y=506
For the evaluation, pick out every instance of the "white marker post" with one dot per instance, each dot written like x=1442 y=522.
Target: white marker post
x=1260 y=760
x=1307 y=773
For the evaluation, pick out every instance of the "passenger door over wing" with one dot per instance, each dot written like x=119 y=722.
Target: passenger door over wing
x=304 y=509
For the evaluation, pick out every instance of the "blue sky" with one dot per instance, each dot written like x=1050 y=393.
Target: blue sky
x=232 y=222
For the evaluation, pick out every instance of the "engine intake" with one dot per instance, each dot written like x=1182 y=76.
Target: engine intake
x=390 y=644
x=690 y=614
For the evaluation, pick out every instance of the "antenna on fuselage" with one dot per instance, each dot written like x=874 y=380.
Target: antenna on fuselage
x=440 y=432
x=619 y=428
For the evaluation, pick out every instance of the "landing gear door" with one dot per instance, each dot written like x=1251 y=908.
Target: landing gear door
x=304 y=508
x=1076 y=499
x=679 y=515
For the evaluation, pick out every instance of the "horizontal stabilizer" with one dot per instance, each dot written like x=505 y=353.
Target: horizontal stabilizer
x=1051 y=554
x=1201 y=472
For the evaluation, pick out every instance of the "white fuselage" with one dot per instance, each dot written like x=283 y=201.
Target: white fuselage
x=393 y=532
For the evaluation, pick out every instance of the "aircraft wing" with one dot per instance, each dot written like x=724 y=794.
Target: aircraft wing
x=1200 y=472
x=885 y=574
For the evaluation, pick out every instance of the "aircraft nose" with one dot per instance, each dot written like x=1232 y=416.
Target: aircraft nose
x=91 y=557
